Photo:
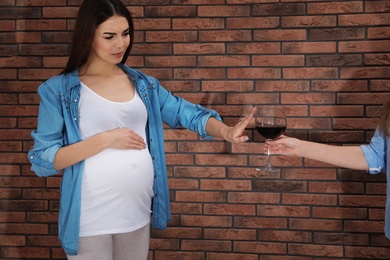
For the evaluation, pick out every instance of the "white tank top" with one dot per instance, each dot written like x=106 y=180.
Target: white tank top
x=117 y=184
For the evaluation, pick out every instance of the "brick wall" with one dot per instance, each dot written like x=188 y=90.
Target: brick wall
x=326 y=62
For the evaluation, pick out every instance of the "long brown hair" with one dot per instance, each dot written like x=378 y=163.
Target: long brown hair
x=384 y=120
x=91 y=14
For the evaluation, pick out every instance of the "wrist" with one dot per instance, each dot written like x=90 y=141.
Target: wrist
x=100 y=141
x=225 y=133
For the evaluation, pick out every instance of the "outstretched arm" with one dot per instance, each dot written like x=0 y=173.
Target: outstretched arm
x=233 y=134
x=350 y=157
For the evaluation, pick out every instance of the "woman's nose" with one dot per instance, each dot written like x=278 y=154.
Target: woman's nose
x=119 y=43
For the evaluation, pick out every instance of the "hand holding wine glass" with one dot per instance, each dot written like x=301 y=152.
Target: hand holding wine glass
x=270 y=122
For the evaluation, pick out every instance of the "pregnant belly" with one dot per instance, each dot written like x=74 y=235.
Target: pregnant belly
x=116 y=192
x=113 y=174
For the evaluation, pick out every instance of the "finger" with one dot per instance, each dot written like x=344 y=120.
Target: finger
x=241 y=139
x=249 y=117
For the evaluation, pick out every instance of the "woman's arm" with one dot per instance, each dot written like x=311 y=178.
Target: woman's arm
x=120 y=138
x=351 y=157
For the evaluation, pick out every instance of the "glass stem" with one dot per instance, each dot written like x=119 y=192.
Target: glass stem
x=268 y=164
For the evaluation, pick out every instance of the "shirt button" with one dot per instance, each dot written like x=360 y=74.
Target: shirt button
x=74 y=119
x=31 y=157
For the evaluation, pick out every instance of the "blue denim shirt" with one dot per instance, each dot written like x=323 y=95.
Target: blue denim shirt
x=377 y=154
x=58 y=126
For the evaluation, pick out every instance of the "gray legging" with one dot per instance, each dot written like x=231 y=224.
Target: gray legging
x=125 y=246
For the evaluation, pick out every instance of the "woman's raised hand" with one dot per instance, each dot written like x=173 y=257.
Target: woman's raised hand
x=234 y=134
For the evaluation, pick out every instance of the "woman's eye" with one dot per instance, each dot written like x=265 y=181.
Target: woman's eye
x=109 y=37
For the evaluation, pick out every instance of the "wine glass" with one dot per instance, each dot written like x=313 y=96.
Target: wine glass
x=270 y=122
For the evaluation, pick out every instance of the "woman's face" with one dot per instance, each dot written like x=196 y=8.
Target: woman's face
x=110 y=41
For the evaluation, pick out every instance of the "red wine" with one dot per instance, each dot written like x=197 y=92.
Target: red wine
x=270 y=131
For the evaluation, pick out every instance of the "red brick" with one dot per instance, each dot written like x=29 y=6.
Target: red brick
x=198 y=48
x=314 y=224
x=183 y=184
x=231 y=86
x=206 y=221
x=206 y=245
x=283 y=211
x=281 y=9
x=180 y=159
x=178 y=232
x=226 y=209
x=41 y=3
x=197 y=23
x=42 y=241
x=253 y=48
x=171 y=36
x=335 y=8
x=25 y=252
x=232 y=234
x=310 y=73
x=202 y=172
x=260 y=247
x=310 y=199
x=245 y=73
x=337 y=34
x=363 y=201
x=151 y=49
x=364 y=226
x=308 y=21
x=224 y=11
x=367 y=252
x=59 y=12
x=40 y=25
x=363 y=19
x=277 y=60
x=7 y=3
x=309 y=47
x=229 y=61
x=252 y=222
x=340 y=238
x=340 y=85
x=8 y=73
x=282 y=257
x=367 y=46
x=202 y=73
x=231 y=256
x=178 y=255
x=316 y=250
x=200 y=196
x=181 y=86
x=12 y=240
x=253 y=22
x=225 y=35
x=220 y=160
x=7 y=25
x=339 y=213
x=285 y=236
x=378 y=32
x=20 y=37
x=170 y=11
x=376 y=188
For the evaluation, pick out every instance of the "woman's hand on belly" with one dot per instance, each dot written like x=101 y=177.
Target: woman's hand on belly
x=123 y=138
